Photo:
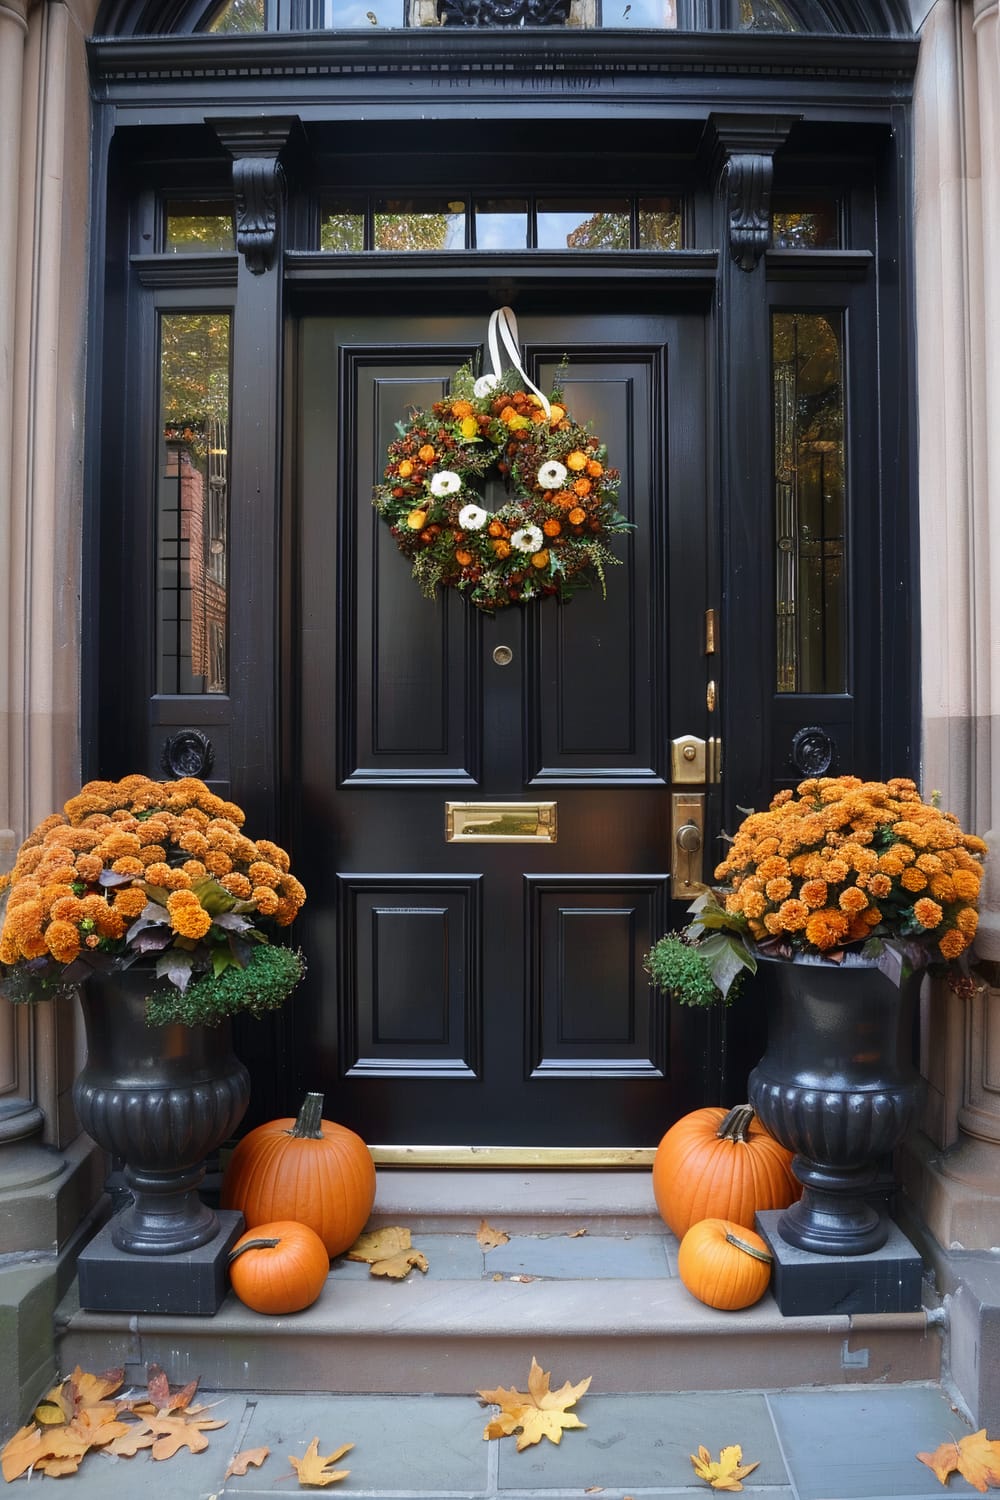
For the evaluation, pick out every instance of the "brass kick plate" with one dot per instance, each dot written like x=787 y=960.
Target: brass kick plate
x=500 y=822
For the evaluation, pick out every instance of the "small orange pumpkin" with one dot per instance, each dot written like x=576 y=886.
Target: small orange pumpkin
x=279 y=1268
x=718 y=1165
x=723 y=1264
x=308 y=1169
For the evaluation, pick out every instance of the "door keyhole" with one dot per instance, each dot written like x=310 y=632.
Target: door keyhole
x=503 y=656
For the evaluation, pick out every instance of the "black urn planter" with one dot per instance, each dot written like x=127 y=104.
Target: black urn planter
x=837 y=1086
x=163 y=1098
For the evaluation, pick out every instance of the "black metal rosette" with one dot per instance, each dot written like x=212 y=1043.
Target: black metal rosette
x=550 y=536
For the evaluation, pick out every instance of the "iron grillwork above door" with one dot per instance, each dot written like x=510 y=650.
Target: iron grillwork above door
x=505 y=12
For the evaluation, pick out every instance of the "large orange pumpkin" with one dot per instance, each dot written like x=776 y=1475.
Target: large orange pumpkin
x=308 y=1169
x=718 y=1165
x=278 y=1268
x=724 y=1264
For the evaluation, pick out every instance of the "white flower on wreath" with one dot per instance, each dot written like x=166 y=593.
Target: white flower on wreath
x=445 y=483
x=472 y=517
x=552 y=475
x=528 y=539
x=485 y=386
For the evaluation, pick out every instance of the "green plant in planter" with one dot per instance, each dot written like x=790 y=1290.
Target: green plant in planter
x=706 y=961
x=156 y=875
x=838 y=866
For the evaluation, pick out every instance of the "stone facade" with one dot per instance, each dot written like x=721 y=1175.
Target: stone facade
x=50 y=1177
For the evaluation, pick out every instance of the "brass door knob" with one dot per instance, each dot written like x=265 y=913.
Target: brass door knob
x=689 y=838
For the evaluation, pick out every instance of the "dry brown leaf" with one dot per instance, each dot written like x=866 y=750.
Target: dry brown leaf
x=312 y=1468
x=139 y=1435
x=724 y=1473
x=77 y=1393
x=174 y=1433
x=976 y=1458
x=240 y=1462
x=398 y=1266
x=498 y=1276
x=489 y=1237
x=535 y=1413
x=21 y=1451
x=575 y=1234
x=380 y=1244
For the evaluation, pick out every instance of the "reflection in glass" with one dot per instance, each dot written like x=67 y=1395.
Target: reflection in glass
x=767 y=15
x=810 y=502
x=192 y=503
x=341 y=226
x=660 y=224
x=419 y=224
x=805 y=224
x=501 y=224
x=196 y=228
x=658 y=15
x=573 y=224
x=239 y=15
x=344 y=14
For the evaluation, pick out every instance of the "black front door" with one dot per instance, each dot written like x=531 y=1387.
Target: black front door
x=493 y=992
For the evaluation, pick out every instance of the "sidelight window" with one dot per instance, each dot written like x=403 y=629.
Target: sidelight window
x=810 y=501
x=192 y=503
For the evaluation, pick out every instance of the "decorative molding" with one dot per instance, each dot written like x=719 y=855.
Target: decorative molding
x=213 y=269
x=130 y=66
x=256 y=146
x=744 y=147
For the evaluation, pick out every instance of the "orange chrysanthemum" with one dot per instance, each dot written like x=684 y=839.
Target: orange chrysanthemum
x=187 y=915
x=826 y=928
x=927 y=912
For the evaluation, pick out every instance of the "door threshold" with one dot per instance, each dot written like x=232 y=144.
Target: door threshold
x=566 y=1158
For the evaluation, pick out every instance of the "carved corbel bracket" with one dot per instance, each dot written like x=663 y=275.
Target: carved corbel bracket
x=744 y=147
x=257 y=147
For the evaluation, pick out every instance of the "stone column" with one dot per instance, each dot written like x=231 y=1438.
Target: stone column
x=954 y=1172
x=50 y=1175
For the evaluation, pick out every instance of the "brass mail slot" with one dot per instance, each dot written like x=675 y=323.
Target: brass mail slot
x=500 y=822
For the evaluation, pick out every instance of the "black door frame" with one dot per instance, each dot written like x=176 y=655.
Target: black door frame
x=239 y=114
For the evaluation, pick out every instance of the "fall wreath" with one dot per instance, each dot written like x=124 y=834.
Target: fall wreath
x=550 y=534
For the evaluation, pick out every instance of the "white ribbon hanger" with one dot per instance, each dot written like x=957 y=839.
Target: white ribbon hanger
x=503 y=328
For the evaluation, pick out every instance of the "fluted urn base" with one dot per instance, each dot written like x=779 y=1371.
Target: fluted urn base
x=838 y=1087
x=162 y=1098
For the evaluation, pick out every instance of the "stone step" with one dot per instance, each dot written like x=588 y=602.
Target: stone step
x=606 y=1302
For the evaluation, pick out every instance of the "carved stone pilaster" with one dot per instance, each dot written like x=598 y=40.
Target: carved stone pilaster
x=257 y=147
x=744 y=147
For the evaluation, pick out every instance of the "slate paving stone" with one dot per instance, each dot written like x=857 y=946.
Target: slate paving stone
x=643 y=1444
x=450 y=1257
x=423 y=1445
x=600 y=1257
x=861 y=1445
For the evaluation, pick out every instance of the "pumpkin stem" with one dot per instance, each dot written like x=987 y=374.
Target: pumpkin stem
x=258 y=1244
x=736 y=1125
x=309 y=1125
x=764 y=1255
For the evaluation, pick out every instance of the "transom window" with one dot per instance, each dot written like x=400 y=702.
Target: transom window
x=528 y=223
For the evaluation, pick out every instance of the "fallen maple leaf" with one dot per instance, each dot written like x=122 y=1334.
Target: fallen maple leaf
x=21 y=1451
x=726 y=1473
x=976 y=1458
x=312 y=1468
x=380 y=1244
x=240 y=1462
x=78 y=1392
x=575 y=1234
x=398 y=1266
x=388 y=1252
x=489 y=1237
x=537 y=1412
